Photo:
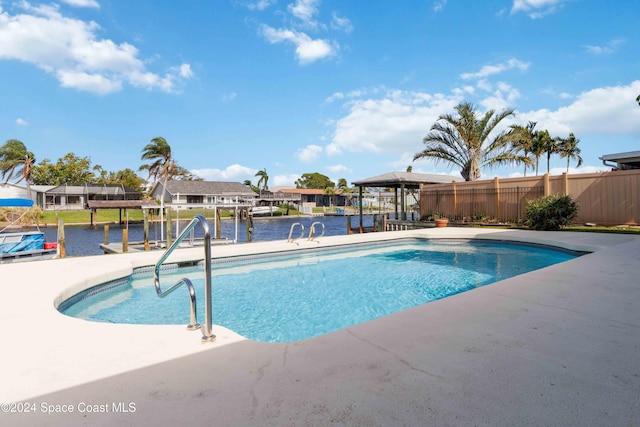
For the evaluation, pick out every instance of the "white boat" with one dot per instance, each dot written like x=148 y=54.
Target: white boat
x=263 y=210
x=23 y=245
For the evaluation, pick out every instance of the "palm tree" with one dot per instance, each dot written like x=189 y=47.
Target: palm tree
x=538 y=145
x=552 y=146
x=569 y=149
x=264 y=178
x=463 y=140
x=15 y=157
x=522 y=140
x=162 y=166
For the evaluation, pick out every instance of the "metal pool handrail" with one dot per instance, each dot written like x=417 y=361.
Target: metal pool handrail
x=207 y=334
x=312 y=230
x=290 y=240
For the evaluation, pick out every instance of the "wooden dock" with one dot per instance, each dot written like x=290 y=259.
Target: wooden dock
x=117 y=247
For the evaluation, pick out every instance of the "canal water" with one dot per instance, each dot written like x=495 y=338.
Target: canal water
x=82 y=240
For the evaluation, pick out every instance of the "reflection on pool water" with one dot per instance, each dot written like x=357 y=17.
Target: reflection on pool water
x=294 y=297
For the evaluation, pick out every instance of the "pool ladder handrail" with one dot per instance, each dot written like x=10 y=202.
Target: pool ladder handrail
x=289 y=239
x=207 y=334
x=312 y=230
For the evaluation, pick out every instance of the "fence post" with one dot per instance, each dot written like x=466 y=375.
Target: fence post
x=519 y=199
x=496 y=186
x=565 y=184
x=547 y=187
x=455 y=200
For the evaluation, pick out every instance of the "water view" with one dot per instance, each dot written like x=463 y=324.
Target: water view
x=82 y=240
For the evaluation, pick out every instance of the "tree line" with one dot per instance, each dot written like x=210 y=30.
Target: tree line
x=17 y=162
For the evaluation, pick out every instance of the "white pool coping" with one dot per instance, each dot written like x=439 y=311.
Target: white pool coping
x=557 y=346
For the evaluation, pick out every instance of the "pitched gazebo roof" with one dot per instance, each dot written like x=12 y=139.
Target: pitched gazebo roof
x=403 y=179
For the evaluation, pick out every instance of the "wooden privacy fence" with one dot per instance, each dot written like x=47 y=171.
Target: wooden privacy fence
x=607 y=198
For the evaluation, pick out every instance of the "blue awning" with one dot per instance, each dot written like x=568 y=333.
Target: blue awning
x=16 y=203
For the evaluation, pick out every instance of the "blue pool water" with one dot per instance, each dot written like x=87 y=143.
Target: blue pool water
x=291 y=298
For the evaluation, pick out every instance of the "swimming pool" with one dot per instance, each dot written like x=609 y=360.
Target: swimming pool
x=284 y=298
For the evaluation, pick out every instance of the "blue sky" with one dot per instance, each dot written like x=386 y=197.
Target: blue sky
x=344 y=88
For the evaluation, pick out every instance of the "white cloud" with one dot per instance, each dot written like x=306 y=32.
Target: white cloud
x=489 y=70
x=335 y=96
x=608 y=110
x=69 y=49
x=304 y=10
x=233 y=172
x=261 y=4
x=21 y=122
x=341 y=23
x=307 y=49
x=82 y=3
x=184 y=70
x=230 y=97
x=536 y=8
x=287 y=180
x=439 y=5
x=609 y=48
x=338 y=168
x=309 y=154
x=503 y=96
x=394 y=124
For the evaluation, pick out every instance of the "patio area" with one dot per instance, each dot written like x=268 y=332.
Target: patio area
x=557 y=346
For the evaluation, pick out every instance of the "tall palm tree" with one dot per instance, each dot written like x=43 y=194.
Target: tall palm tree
x=162 y=167
x=264 y=178
x=159 y=151
x=14 y=158
x=463 y=140
x=569 y=149
x=522 y=140
x=552 y=146
x=539 y=145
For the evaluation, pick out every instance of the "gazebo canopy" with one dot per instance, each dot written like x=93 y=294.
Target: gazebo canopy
x=403 y=179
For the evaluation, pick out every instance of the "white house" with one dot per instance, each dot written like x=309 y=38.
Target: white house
x=204 y=193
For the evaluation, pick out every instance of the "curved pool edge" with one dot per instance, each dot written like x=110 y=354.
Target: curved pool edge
x=129 y=262
x=54 y=352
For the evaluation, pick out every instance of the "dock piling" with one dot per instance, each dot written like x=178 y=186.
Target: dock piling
x=62 y=247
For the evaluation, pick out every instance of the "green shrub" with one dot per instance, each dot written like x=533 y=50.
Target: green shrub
x=550 y=212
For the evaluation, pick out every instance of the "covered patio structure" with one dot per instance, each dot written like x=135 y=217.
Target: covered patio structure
x=402 y=181
x=121 y=205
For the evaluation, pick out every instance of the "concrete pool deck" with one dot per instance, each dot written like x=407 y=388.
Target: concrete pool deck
x=558 y=346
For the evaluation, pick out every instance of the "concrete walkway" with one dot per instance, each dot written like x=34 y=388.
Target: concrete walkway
x=559 y=346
